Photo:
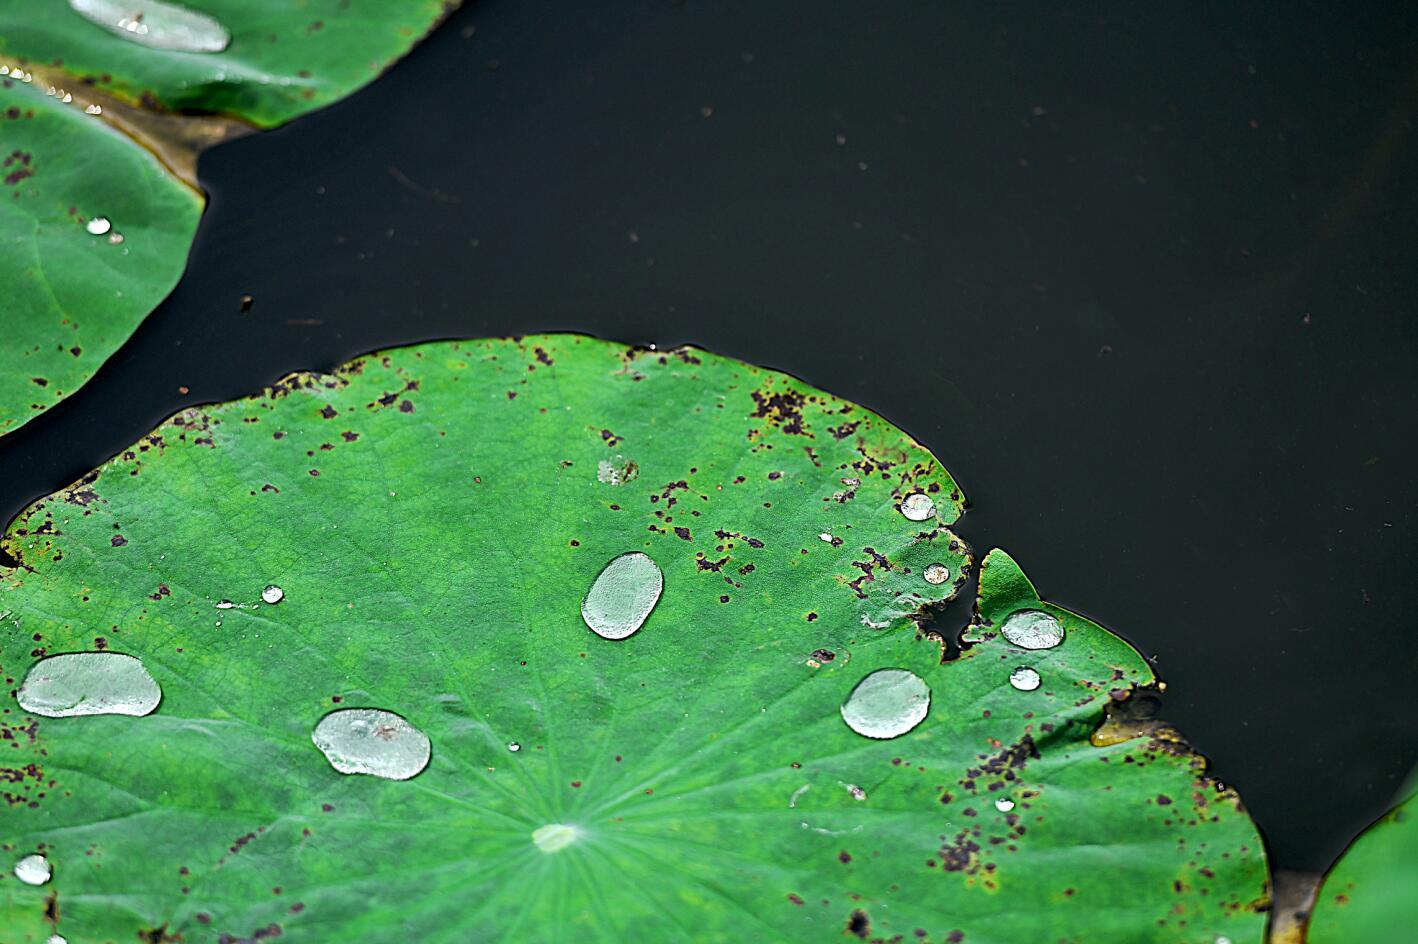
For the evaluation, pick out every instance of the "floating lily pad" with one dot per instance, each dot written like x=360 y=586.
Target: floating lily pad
x=435 y=518
x=277 y=61
x=1367 y=898
x=95 y=233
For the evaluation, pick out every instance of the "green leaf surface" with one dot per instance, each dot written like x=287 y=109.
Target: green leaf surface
x=1368 y=897
x=284 y=59
x=72 y=297
x=435 y=517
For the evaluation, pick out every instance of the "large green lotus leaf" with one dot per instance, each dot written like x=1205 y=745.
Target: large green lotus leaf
x=284 y=59
x=1368 y=897
x=72 y=297
x=435 y=516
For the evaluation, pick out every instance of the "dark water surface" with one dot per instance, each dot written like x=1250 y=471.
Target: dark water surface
x=1144 y=279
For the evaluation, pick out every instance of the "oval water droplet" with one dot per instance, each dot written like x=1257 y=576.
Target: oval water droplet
x=74 y=684
x=1024 y=678
x=33 y=870
x=918 y=506
x=1033 y=629
x=617 y=470
x=156 y=23
x=115 y=238
x=273 y=594
x=887 y=704
x=98 y=225
x=936 y=574
x=372 y=741
x=514 y=747
x=56 y=939
x=553 y=837
x=225 y=604
x=622 y=596
x=1004 y=804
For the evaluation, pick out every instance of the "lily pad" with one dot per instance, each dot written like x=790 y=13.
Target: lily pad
x=280 y=59
x=1367 y=898
x=96 y=233
x=434 y=519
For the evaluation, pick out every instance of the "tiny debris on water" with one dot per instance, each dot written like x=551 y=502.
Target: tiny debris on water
x=1024 y=678
x=1033 y=629
x=372 y=741
x=75 y=684
x=918 y=506
x=887 y=704
x=33 y=870
x=936 y=574
x=622 y=596
x=156 y=23
x=273 y=594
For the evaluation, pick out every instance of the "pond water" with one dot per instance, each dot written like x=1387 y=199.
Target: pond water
x=1140 y=278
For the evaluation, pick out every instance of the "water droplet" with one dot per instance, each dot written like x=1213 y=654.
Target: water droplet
x=918 y=506
x=98 y=225
x=225 y=604
x=937 y=574
x=89 y=683
x=94 y=110
x=1004 y=804
x=1024 y=678
x=56 y=939
x=514 y=747
x=887 y=704
x=372 y=741
x=156 y=23
x=33 y=870
x=553 y=837
x=273 y=594
x=115 y=238
x=1033 y=629
x=623 y=596
x=1223 y=939
x=617 y=470
x=857 y=792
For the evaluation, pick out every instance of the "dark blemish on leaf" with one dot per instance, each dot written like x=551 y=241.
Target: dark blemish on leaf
x=576 y=784
x=118 y=540
x=246 y=302
x=824 y=655
x=682 y=534
x=795 y=899
x=329 y=412
x=406 y=406
x=844 y=857
x=326 y=808
x=859 y=924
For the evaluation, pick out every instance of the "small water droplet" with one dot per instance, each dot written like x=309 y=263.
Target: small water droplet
x=622 y=596
x=1033 y=629
x=918 y=506
x=887 y=704
x=94 y=110
x=617 y=470
x=98 y=225
x=825 y=536
x=937 y=574
x=553 y=837
x=115 y=237
x=56 y=939
x=514 y=747
x=156 y=23
x=372 y=741
x=857 y=792
x=1223 y=939
x=33 y=870
x=1004 y=804
x=74 y=684
x=1024 y=678
x=273 y=594
x=225 y=604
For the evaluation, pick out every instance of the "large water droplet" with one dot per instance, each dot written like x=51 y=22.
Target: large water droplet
x=918 y=506
x=617 y=470
x=937 y=574
x=623 y=596
x=273 y=594
x=372 y=741
x=156 y=23
x=56 y=939
x=1004 y=804
x=1024 y=678
x=89 y=683
x=33 y=870
x=553 y=837
x=98 y=225
x=1033 y=629
x=887 y=704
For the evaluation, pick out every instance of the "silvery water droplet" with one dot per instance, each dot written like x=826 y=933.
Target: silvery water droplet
x=273 y=594
x=156 y=23
x=1032 y=629
x=936 y=574
x=553 y=837
x=918 y=506
x=225 y=604
x=514 y=747
x=372 y=741
x=1004 y=804
x=1223 y=939
x=622 y=596
x=98 y=225
x=617 y=470
x=74 y=684
x=56 y=939
x=887 y=704
x=1024 y=678
x=33 y=870
x=94 y=110
x=115 y=238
